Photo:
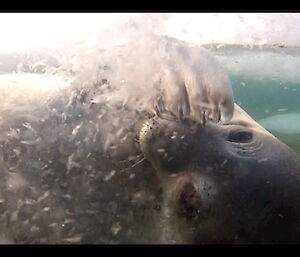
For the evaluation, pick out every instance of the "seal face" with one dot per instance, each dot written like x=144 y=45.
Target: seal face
x=225 y=182
x=71 y=171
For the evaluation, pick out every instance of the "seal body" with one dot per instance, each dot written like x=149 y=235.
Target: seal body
x=87 y=163
x=193 y=82
x=225 y=183
x=63 y=181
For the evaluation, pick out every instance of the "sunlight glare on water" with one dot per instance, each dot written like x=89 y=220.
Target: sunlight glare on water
x=266 y=45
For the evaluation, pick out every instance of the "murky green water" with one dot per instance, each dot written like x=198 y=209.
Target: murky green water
x=266 y=84
x=266 y=98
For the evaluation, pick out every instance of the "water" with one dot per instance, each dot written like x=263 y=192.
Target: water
x=266 y=84
x=278 y=101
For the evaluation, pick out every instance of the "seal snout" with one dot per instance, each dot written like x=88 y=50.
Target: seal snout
x=148 y=126
x=168 y=144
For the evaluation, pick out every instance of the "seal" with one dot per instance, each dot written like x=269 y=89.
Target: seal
x=230 y=182
x=72 y=169
x=170 y=75
x=193 y=81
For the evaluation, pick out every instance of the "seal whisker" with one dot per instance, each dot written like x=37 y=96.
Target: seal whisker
x=134 y=165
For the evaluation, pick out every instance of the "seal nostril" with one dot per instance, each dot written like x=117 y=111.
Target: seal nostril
x=190 y=202
x=240 y=136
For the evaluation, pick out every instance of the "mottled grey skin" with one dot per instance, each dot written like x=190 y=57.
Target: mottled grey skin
x=77 y=167
x=211 y=184
x=193 y=82
x=59 y=185
x=224 y=183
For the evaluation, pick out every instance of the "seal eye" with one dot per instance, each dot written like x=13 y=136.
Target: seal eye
x=240 y=136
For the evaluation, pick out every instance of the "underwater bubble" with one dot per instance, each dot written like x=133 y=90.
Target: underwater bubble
x=110 y=175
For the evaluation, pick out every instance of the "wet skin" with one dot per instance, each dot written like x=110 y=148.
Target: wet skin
x=224 y=182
